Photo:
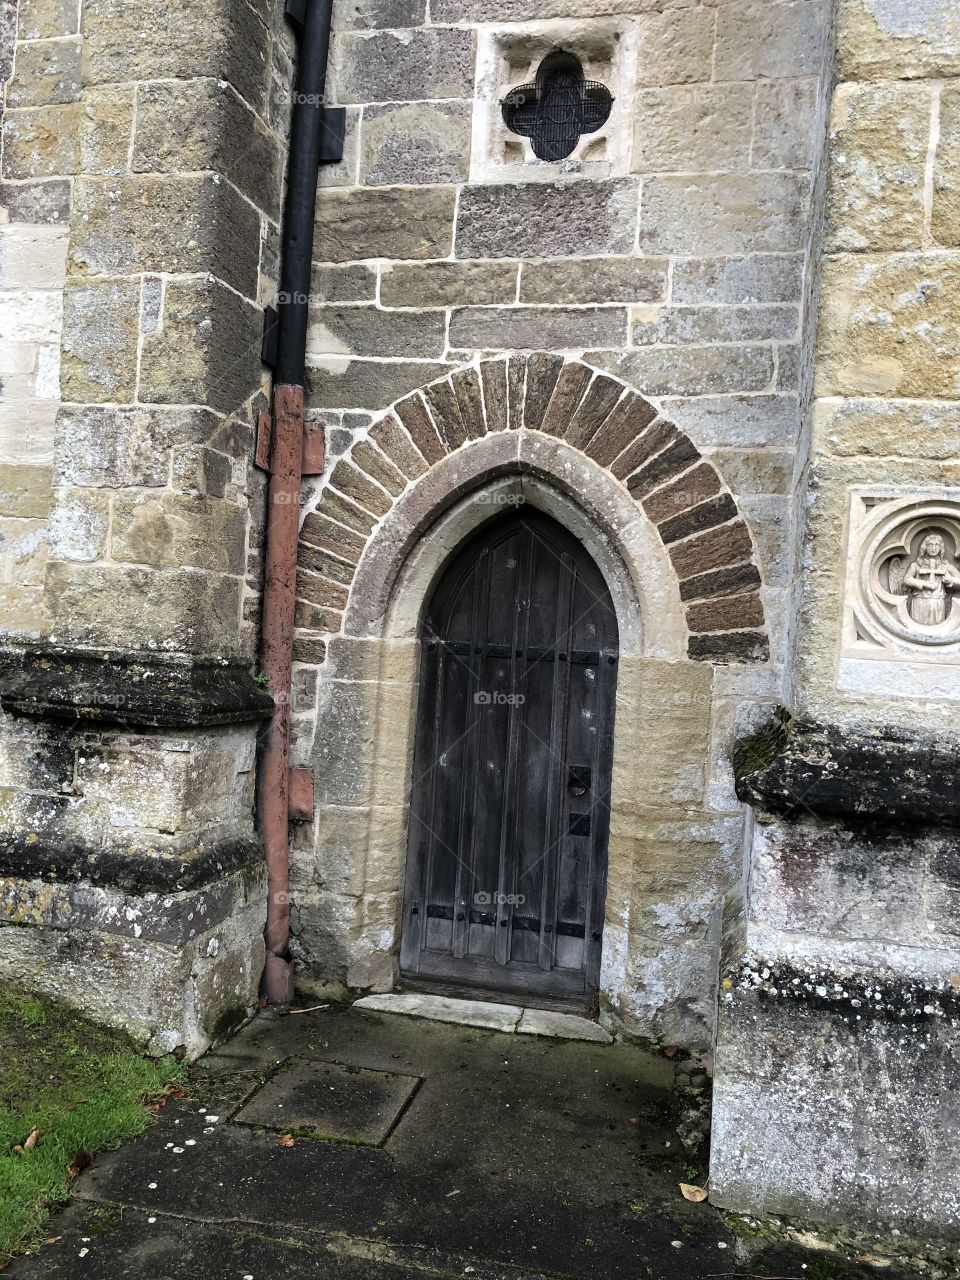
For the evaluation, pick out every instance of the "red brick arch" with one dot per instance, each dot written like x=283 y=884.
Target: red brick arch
x=683 y=495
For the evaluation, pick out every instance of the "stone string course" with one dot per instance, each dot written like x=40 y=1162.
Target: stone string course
x=696 y=518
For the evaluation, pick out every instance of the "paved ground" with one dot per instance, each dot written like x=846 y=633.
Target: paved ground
x=433 y=1151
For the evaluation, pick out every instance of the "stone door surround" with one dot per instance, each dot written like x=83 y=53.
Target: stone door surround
x=537 y=404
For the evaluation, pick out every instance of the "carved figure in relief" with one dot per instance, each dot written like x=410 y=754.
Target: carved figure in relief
x=927 y=581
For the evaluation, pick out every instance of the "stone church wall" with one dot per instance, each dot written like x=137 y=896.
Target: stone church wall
x=670 y=257
x=673 y=251
x=141 y=186
x=840 y=1026
x=723 y=353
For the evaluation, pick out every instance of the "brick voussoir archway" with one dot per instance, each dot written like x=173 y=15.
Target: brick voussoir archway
x=682 y=494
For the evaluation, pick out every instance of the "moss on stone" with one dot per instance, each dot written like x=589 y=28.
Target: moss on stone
x=230 y=1020
x=759 y=751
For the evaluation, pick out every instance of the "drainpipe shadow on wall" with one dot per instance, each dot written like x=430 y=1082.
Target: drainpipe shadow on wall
x=287 y=452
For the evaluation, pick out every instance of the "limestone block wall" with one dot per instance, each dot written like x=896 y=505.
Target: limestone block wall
x=844 y=955
x=672 y=258
x=32 y=279
x=142 y=168
x=888 y=366
x=677 y=260
x=154 y=145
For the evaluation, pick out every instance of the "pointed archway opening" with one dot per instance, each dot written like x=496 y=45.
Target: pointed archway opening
x=678 y=560
x=510 y=798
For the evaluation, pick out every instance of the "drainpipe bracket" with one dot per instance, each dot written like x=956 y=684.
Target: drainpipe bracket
x=333 y=131
x=295 y=13
x=314 y=449
x=261 y=456
x=300 y=794
x=313 y=455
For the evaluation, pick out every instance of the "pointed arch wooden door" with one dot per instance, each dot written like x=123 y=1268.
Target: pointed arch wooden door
x=509 y=821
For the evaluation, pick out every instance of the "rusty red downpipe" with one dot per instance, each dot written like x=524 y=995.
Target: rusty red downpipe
x=313 y=141
x=279 y=604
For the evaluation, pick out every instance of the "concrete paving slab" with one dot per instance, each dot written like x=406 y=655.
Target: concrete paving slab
x=468 y=1013
x=331 y=1100
x=104 y=1241
x=518 y=1157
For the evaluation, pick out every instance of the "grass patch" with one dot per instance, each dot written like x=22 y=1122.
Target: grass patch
x=82 y=1087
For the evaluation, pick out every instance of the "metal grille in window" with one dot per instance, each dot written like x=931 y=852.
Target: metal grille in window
x=558 y=108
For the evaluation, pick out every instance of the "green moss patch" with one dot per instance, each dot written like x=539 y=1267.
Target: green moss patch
x=751 y=755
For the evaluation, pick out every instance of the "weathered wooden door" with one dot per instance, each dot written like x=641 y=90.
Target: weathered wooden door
x=509 y=814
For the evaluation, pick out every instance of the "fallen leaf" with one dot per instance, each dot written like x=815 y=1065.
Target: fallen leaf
x=53 y=1239
x=285 y=1140
x=31 y=1141
x=690 y=1192
x=174 y=1091
x=80 y=1162
x=670 y=1051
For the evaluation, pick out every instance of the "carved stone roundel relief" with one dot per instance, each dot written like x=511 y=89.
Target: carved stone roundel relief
x=909 y=580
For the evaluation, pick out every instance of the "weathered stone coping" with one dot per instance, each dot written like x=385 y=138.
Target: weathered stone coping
x=136 y=690
x=135 y=872
x=795 y=768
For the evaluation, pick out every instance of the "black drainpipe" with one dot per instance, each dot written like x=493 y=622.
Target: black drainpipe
x=316 y=137
x=310 y=138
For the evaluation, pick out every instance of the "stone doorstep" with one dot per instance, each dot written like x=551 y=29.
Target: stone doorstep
x=511 y=1018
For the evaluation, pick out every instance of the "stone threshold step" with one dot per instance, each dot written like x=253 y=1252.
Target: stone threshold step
x=511 y=1018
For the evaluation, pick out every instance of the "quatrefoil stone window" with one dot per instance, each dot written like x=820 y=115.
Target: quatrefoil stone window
x=558 y=108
